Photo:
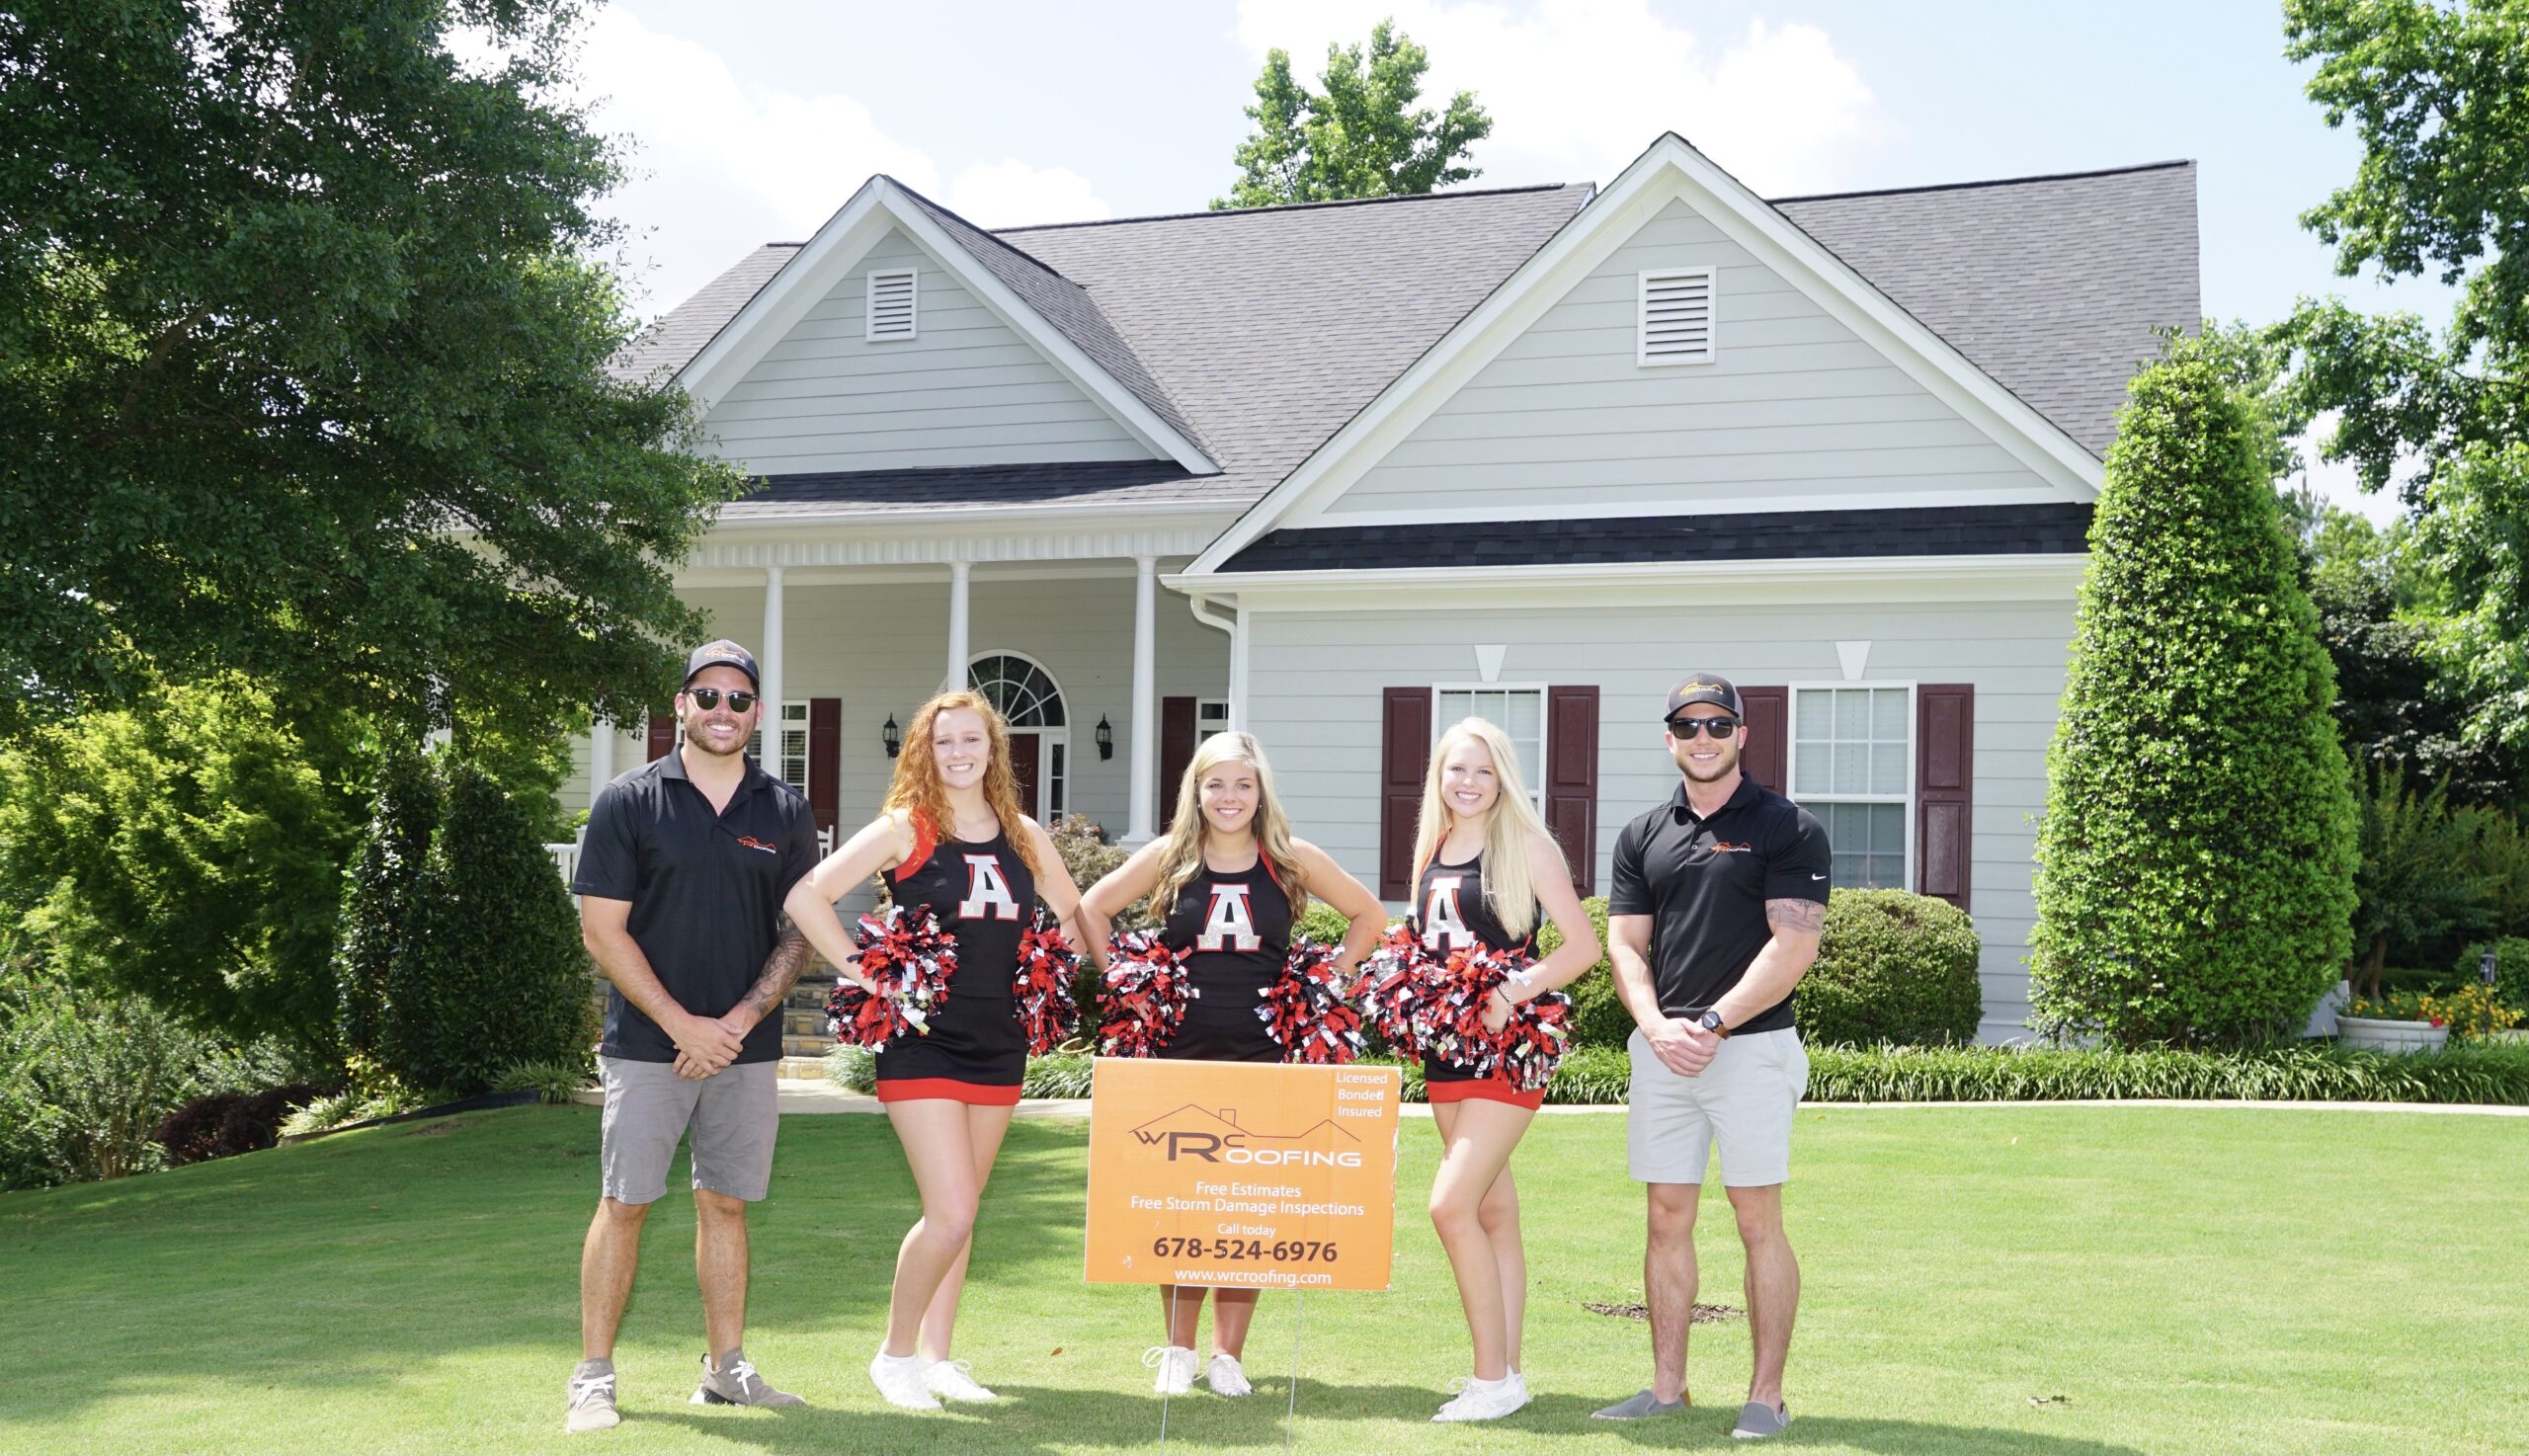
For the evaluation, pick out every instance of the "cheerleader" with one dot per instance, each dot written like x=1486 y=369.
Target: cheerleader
x=951 y=841
x=1485 y=871
x=1228 y=880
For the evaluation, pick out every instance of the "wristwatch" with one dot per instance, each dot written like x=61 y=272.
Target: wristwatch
x=1711 y=1022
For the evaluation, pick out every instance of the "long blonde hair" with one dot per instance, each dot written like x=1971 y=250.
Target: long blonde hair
x=917 y=788
x=1510 y=827
x=1181 y=856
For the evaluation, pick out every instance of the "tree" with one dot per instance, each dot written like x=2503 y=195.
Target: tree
x=377 y=897
x=302 y=375
x=2196 y=859
x=2439 y=95
x=1361 y=137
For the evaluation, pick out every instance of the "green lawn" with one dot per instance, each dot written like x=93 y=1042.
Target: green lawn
x=2185 y=1280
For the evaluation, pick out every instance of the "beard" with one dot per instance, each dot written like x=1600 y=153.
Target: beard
x=1720 y=769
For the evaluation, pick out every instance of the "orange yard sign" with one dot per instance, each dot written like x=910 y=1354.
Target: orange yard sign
x=1234 y=1174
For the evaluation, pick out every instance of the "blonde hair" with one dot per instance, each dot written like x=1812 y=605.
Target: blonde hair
x=1181 y=856
x=917 y=790
x=1510 y=827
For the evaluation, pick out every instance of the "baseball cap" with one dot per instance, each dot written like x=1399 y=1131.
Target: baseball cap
x=1709 y=688
x=723 y=654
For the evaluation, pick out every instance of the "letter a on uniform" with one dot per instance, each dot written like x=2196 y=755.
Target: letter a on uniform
x=986 y=887
x=1229 y=926
x=1444 y=929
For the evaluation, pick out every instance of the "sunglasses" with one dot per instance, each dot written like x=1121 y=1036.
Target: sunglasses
x=1689 y=727
x=708 y=699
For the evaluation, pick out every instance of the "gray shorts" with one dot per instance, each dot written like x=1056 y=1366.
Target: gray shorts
x=732 y=1113
x=1743 y=1100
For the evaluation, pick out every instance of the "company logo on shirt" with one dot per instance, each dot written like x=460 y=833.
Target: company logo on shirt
x=1725 y=846
x=750 y=841
x=1444 y=929
x=1229 y=926
x=986 y=889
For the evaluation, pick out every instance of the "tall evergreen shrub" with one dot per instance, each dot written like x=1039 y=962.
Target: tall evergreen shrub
x=2195 y=865
x=491 y=971
x=377 y=896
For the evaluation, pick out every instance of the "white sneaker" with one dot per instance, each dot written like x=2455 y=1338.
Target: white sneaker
x=954 y=1380
x=1227 y=1377
x=899 y=1379
x=1176 y=1366
x=1483 y=1400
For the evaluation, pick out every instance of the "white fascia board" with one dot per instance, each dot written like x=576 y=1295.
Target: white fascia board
x=1565 y=509
x=846 y=238
x=1843 y=580
x=967 y=517
x=1670 y=170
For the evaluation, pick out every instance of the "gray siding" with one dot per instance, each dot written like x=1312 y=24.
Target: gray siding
x=965 y=390
x=1316 y=679
x=1794 y=406
x=882 y=649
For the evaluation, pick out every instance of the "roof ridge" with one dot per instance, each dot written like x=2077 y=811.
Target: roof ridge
x=1884 y=192
x=973 y=226
x=1421 y=196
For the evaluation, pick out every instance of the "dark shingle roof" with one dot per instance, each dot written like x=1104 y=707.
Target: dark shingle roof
x=671 y=343
x=1103 y=482
x=1769 y=535
x=2051 y=285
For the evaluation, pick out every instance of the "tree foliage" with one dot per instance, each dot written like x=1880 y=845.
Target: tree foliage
x=2439 y=96
x=303 y=374
x=2195 y=864
x=1361 y=136
x=377 y=897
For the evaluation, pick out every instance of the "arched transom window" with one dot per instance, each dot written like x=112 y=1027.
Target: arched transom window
x=1024 y=694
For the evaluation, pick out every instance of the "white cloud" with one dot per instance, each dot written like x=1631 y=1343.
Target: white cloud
x=720 y=166
x=1577 y=88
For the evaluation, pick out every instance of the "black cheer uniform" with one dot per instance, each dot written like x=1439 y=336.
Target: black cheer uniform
x=1449 y=911
x=984 y=895
x=1235 y=932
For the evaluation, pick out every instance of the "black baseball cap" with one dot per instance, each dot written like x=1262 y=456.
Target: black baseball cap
x=1709 y=688
x=723 y=654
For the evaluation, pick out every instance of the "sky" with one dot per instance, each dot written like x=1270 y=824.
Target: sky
x=751 y=120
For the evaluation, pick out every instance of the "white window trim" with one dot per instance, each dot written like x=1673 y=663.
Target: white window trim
x=1046 y=738
x=1642 y=355
x=869 y=304
x=1913 y=756
x=1545 y=725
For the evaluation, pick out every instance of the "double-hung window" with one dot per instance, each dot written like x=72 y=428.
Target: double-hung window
x=1852 y=765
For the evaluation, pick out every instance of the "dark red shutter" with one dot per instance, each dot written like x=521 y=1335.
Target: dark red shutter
x=662 y=734
x=1768 y=713
x=1571 y=779
x=825 y=759
x=1944 y=789
x=1175 y=751
x=1405 y=754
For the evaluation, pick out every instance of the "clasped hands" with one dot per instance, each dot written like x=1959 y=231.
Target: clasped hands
x=1684 y=1047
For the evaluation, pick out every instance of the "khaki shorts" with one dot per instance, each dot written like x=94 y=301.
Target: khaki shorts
x=732 y=1114
x=1743 y=1100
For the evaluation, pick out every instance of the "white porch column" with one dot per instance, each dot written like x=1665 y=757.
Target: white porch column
x=768 y=658
x=958 y=574
x=601 y=755
x=1238 y=673
x=1145 y=699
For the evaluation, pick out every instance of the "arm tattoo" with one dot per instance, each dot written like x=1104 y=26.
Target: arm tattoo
x=1805 y=915
x=780 y=971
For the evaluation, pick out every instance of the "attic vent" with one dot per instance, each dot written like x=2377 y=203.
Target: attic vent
x=891 y=307
x=1677 y=317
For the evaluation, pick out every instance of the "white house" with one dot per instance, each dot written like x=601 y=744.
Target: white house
x=1342 y=474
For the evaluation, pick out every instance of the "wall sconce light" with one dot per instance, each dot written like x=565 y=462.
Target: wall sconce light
x=892 y=736
x=1105 y=739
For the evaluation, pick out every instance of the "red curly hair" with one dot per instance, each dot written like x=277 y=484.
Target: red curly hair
x=916 y=787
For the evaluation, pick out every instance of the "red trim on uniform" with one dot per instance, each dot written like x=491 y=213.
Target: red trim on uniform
x=1482 y=1090
x=926 y=838
x=948 y=1089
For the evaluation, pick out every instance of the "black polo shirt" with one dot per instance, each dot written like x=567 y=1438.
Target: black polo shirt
x=706 y=891
x=1704 y=883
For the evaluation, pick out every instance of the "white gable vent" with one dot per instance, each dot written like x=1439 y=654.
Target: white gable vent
x=891 y=304
x=1675 y=316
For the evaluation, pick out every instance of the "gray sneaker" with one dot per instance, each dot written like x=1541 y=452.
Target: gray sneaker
x=735 y=1383
x=1645 y=1405
x=592 y=1406
x=1759 y=1420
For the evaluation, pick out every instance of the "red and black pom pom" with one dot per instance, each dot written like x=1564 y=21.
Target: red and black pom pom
x=1306 y=1011
x=1387 y=991
x=1145 y=992
x=909 y=959
x=1448 y=994
x=1042 y=982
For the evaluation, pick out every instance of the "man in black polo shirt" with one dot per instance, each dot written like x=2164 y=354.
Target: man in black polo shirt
x=1718 y=900
x=682 y=876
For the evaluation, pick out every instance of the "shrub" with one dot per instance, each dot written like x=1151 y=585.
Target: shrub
x=1893 y=967
x=2416 y=885
x=2467 y=1074
x=2472 y=1013
x=359 y=1104
x=377 y=897
x=2195 y=864
x=1322 y=922
x=491 y=972
x=1089 y=858
x=85 y=1080
x=191 y=1133
x=1598 y=1019
x=551 y=1081
x=2512 y=969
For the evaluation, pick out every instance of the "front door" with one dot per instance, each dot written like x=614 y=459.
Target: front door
x=1025 y=751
